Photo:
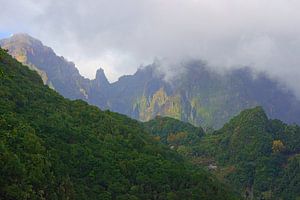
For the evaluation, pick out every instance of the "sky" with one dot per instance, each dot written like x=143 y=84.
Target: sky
x=121 y=36
x=5 y=35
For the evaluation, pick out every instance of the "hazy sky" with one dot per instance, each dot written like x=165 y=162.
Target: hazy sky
x=121 y=35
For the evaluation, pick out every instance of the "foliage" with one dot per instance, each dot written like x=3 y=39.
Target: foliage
x=172 y=131
x=255 y=155
x=180 y=136
x=277 y=146
x=54 y=148
x=260 y=150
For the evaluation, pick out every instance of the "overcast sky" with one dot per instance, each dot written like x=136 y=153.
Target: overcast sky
x=121 y=35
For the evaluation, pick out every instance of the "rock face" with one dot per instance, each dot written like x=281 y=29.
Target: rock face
x=55 y=71
x=202 y=97
x=101 y=80
x=34 y=54
x=199 y=95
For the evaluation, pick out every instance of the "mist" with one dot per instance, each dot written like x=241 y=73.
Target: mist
x=120 y=36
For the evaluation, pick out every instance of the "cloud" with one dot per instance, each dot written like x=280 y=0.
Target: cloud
x=122 y=35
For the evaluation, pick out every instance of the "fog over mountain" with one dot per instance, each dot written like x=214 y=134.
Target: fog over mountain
x=122 y=35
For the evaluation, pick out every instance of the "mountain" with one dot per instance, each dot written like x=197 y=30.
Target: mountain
x=198 y=95
x=55 y=71
x=201 y=96
x=55 y=148
x=257 y=156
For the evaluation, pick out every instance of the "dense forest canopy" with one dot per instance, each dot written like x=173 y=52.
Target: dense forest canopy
x=257 y=156
x=54 y=148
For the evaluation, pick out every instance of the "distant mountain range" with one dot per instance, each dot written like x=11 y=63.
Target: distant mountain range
x=199 y=96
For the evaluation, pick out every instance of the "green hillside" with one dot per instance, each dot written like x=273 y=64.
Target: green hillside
x=54 y=148
x=178 y=135
x=258 y=157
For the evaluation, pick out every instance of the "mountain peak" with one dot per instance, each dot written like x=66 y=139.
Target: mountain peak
x=100 y=71
x=21 y=35
x=257 y=111
x=23 y=38
x=100 y=78
x=255 y=117
x=100 y=74
x=21 y=44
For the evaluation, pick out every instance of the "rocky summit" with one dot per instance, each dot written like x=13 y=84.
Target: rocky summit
x=198 y=95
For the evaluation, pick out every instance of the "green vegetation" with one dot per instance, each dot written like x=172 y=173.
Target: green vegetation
x=180 y=136
x=260 y=151
x=259 y=157
x=54 y=148
x=1 y=73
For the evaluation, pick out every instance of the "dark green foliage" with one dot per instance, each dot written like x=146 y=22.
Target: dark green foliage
x=178 y=135
x=1 y=73
x=165 y=126
x=246 y=136
x=289 y=184
x=257 y=156
x=54 y=148
x=260 y=153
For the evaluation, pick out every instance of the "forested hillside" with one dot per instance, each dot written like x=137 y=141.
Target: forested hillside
x=54 y=148
x=259 y=157
x=178 y=135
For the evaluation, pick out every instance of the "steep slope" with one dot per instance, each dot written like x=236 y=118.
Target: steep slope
x=203 y=97
x=180 y=136
x=55 y=71
x=198 y=95
x=257 y=156
x=54 y=148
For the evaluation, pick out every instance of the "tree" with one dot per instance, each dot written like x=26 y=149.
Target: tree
x=1 y=73
x=277 y=146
